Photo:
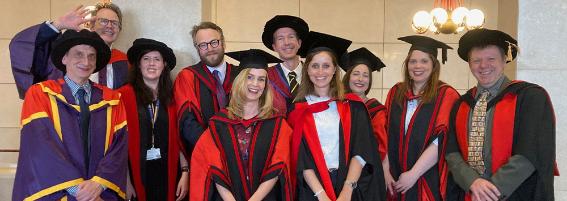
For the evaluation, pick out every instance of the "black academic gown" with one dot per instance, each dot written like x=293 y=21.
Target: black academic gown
x=357 y=139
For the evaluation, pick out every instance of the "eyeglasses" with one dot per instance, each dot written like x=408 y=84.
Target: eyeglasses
x=205 y=46
x=104 y=22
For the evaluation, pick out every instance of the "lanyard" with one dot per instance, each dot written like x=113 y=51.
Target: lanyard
x=153 y=109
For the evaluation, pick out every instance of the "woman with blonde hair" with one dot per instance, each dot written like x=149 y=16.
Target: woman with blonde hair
x=418 y=115
x=244 y=154
x=334 y=152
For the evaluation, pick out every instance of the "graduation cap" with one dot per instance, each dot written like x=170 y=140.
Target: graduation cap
x=426 y=44
x=484 y=37
x=316 y=39
x=279 y=21
x=361 y=56
x=253 y=58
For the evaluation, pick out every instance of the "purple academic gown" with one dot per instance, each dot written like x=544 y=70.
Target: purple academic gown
x=31 y=63
x=51 y=155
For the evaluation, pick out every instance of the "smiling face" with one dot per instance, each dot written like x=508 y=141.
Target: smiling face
x=321 y=71
x=286 y=43
x=108 y=32
x=487 y=65
x=359 y=79
x=152 y=65
x=80 y=63
x=212 y=56
x=420 y=66
x=255 y=84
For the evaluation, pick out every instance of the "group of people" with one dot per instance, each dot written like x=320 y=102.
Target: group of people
x=100 y=124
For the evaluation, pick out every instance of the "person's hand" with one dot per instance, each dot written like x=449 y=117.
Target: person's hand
x=89 y=190
x=72 y=19
x=482 y=189
x=182 y=186
x=405 y=181
x=346 y=194
x=323 y=197
x=130 y=191
x=389 y=182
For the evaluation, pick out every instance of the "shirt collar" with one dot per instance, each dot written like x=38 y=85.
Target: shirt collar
x=75 y=87
x=297 y=71
x=494 y=89
x=221 y=68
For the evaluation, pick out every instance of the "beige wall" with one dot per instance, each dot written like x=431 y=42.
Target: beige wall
x=375 y=24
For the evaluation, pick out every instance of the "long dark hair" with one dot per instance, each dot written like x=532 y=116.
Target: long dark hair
x=143 y=93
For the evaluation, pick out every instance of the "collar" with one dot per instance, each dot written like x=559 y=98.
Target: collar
x=297 y=71
x=221 y=68
x=494 y=89
x=75 y=87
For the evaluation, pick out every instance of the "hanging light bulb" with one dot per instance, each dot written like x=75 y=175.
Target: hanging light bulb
x=440 y=16
x=421 y=21
x=458 y=15
x=475 y=19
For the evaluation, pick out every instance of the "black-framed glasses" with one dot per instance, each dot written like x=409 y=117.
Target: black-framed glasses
x=205 y=46
x=104 y=22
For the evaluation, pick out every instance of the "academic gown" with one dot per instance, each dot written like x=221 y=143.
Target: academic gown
x=523 y=126
x=30 y=55
x=377 y=113
x=429 y=121
x=195 y=96
x=138 y=130
x=217 y=159
x=357 y=139
x=283 y=98
x=51 y=155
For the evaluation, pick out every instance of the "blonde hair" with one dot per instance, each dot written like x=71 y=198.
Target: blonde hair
x=238 y=96
x=431 y=86
x=306 y=87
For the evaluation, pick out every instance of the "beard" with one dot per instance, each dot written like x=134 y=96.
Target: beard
x=212 y=58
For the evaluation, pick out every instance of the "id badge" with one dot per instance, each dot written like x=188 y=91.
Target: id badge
x=153 y=154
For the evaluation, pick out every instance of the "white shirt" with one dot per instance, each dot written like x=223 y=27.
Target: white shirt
x=297 y=71
x=327 y=123
x=222 y=71
x=412 y=106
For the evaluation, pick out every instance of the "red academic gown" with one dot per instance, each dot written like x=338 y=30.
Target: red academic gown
x=523 y=124
x=137 y=152
x=378 y=115
x=30 y=52
x=195 y=97
x=429 y=121
x=51 y=155
x=217 y=159
x=282 y=96
x=357 y=139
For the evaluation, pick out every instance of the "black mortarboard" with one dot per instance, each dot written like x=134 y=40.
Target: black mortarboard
x=426 y=44
x=361 y=56
x=72 y=38
x=484 y=37
x=279 y=21
x=253 y=58
x=141 y=44
x=314 y=40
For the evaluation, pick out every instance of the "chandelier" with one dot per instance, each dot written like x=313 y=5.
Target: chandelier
x=447 y=17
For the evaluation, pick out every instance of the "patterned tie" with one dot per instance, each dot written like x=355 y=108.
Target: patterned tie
x=476 y=134
x=292 y=83
x=85 y=117
x=221 y=95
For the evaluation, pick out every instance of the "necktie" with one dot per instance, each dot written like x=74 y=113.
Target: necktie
x=476 y=134
x=85 y=117
x=292 y=76
x=221 y=95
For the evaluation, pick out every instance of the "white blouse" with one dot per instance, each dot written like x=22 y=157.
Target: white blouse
x=327 y=123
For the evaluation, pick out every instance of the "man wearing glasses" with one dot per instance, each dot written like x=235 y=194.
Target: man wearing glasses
x=202 y=90
x=30 y=49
